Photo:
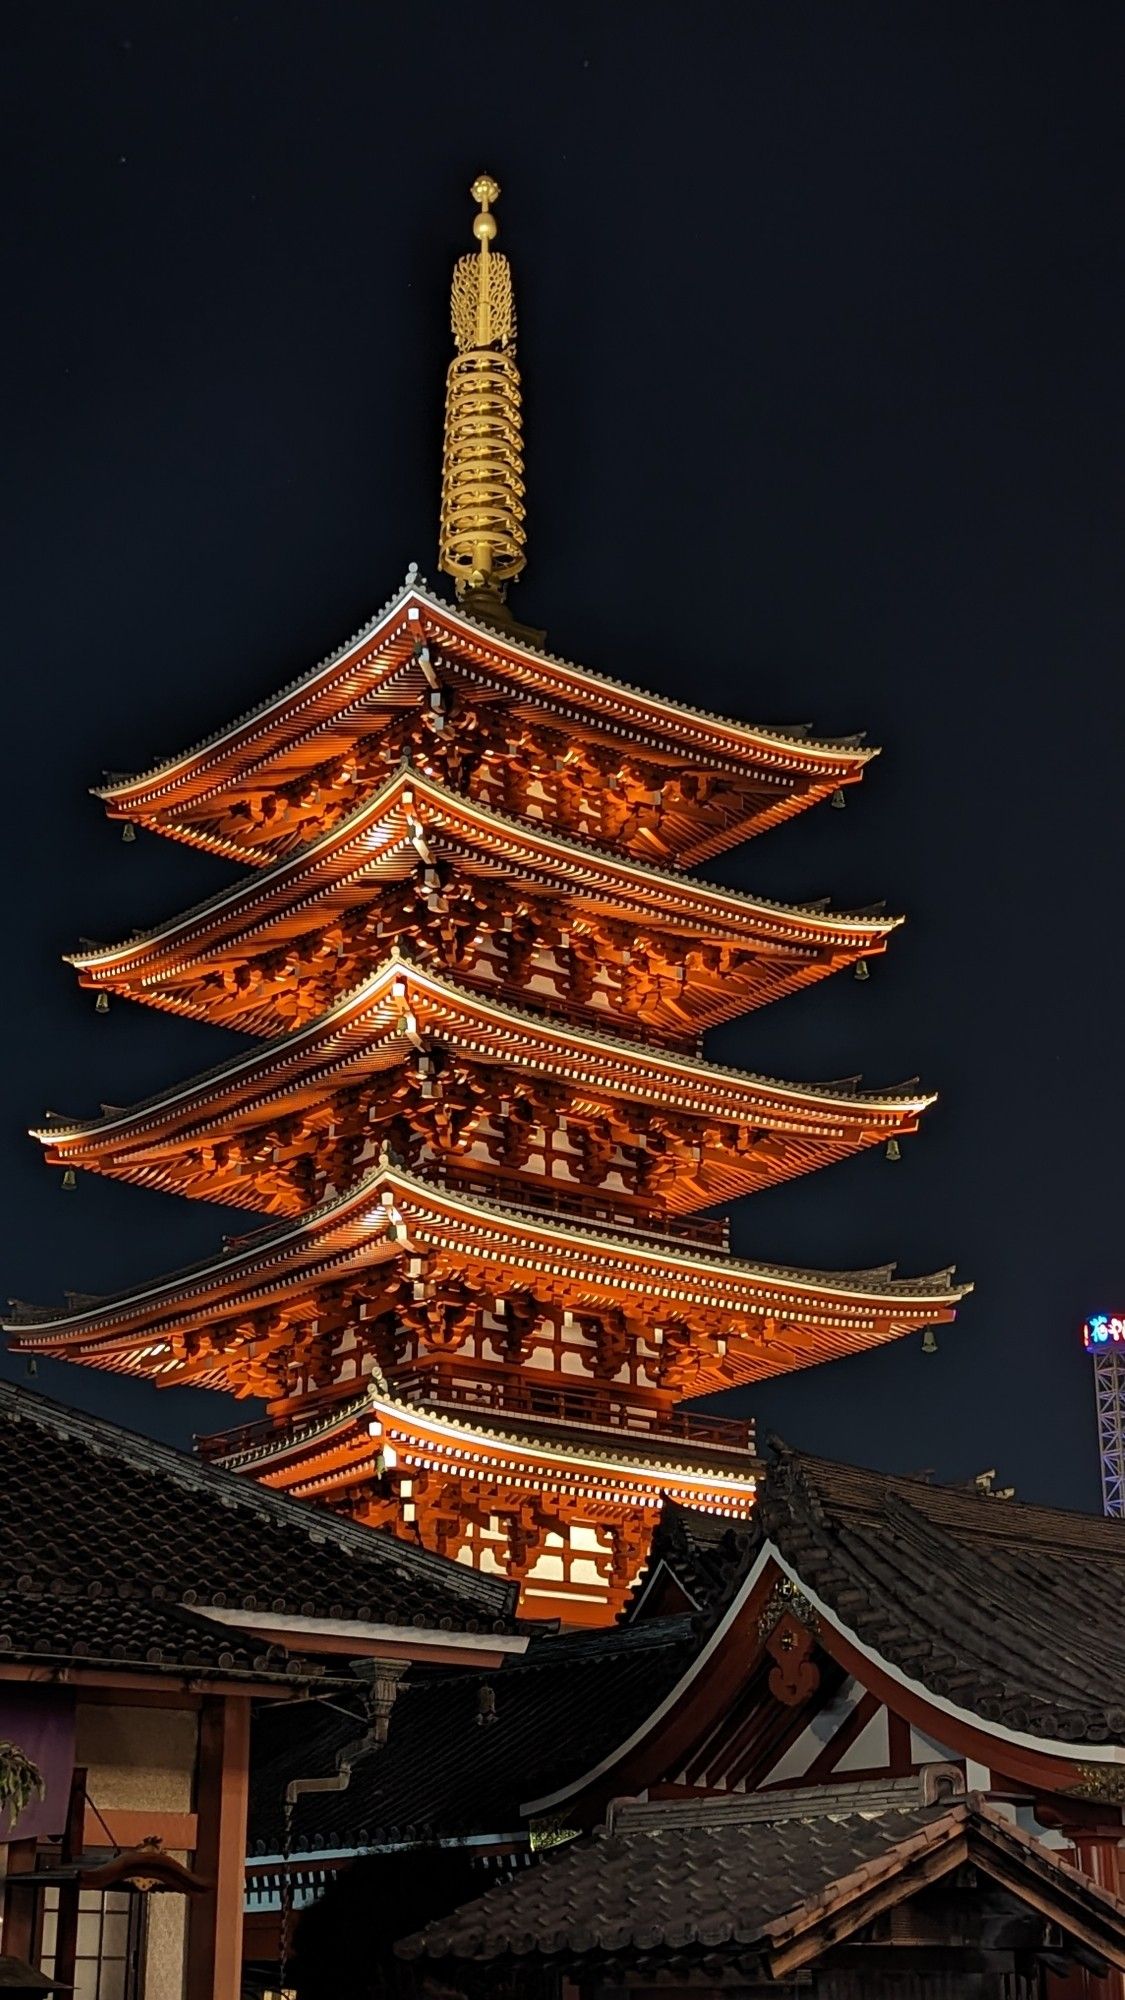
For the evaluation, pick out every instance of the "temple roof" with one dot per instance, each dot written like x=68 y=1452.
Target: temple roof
x=991 y=1625
x=791 y=1128
x=1004 y=1611
x=380 y=668
x=410 y=821
x=683 y=1878
x=981 y=1634
x=713 y=1454
x=114 y=1548
x=443 y=1773
x=832 y=1313
x=695 y=1561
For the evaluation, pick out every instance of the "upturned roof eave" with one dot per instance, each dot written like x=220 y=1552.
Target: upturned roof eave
x=555 y=851
x=921 y=1299
x=317 y=1038
x=729 y=735
x=687 y=1465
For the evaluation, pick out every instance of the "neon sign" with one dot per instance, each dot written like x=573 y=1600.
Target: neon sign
x=1103 y=1330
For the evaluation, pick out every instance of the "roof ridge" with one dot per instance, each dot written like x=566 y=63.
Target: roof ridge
x=415 y=584
x=990 y=1514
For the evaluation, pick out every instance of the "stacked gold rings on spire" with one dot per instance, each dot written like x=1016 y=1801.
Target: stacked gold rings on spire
x=482 y=532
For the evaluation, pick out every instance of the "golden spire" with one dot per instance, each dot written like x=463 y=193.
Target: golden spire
x=482 y=513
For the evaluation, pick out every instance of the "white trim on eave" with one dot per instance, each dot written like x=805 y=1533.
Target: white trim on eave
x=553 y=1799
x=365 y=1633
x=1020 y=1739
x=1090 y=1753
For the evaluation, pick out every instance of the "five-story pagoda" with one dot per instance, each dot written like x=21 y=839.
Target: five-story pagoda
x=474 y=1108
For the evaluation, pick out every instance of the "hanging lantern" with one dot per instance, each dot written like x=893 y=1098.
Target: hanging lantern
x=69 y=1180
x=32 y=1365
x=128 y=831
x=838 y=799
x=101 y=1004
x=894 y=1150
x=486 y=1704
x=863 y=971
x=929 y=1341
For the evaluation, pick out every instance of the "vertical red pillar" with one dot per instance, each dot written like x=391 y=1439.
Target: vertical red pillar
x=214 y=1957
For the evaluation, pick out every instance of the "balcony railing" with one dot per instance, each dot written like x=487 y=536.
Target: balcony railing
x=585 y=1406
x=589 y=1406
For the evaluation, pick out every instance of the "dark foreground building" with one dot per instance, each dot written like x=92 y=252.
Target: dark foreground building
x=865 y=1641
x=150 y=1607
x=878 y=1895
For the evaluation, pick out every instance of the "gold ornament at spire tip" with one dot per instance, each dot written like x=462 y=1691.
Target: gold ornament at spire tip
x=482 y=532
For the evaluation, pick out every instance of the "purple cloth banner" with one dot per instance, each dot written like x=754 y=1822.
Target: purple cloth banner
x=40 y=1722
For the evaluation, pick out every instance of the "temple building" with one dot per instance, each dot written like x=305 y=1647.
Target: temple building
x=149 y=1608
x=478 y=1143
x=877 y=1695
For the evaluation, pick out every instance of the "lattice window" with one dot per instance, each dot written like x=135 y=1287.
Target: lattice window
x=109 y=1959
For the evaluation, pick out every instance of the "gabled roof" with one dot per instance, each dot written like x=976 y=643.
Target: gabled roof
x=695 y=1561
x=791 y=1128
x=114 y=1549
x=412 y=819
x=1009 y=1614
x=685 y=1880
x=781 y=1318
x=991 y=1625
x=379 y=668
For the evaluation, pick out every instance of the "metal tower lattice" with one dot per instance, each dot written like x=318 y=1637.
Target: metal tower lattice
x=1109 y=1391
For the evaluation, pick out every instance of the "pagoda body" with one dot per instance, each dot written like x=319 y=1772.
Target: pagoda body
x=474 y=1116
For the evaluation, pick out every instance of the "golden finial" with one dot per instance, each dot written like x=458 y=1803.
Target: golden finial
x=482 y=513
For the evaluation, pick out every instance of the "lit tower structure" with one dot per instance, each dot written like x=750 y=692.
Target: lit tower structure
x=475 y=1110
x=1103 y=1337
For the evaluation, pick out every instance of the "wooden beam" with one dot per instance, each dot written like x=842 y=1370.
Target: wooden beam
x=183 y=1686
x=214 y=1957
x=1056 y=1899
x=1037 y=1769
x=178 y=1832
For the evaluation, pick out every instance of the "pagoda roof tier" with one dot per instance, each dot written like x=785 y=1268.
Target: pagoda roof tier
x=710 y=1321
x=740 y=1131
x=438 y=1473
x=321 y=1459
x=417 y=650
x=657 y=948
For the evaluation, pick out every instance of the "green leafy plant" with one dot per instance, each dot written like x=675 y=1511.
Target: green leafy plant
x=20 y=1782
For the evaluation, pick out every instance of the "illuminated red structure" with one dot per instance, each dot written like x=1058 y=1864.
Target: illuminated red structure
x=475 y=1112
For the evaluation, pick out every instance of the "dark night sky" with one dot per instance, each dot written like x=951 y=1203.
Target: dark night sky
x=821 y=336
